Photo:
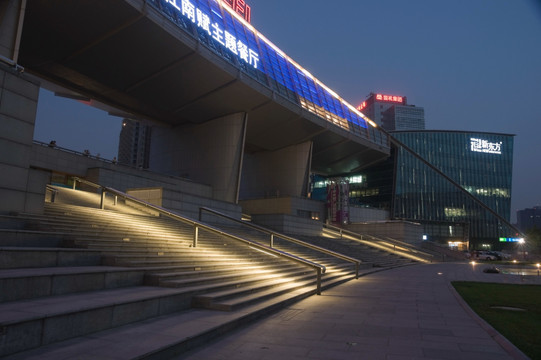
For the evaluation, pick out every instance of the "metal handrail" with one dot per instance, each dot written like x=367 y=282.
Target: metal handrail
x=273 y=234
x=320 y=269
x=407 y=247
x=53 y=192
x=75 y=152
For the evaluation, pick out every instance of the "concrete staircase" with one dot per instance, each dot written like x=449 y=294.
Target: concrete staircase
x=77 y=276
x=367 y=254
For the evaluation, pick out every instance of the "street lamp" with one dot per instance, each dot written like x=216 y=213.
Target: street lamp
x=537 y=269
x=521 y=245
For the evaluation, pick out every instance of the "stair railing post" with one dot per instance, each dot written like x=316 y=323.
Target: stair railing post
x=318 y=281
x=116 y=200
x=102 y=201
x=74 y=183
x=271 y=240
x=195 y=235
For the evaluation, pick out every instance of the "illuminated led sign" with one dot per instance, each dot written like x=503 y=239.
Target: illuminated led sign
x=381 y=97
x=241 y=8
x=485 y=146
x=390 y=98
x=216 y=30
x=506 y=239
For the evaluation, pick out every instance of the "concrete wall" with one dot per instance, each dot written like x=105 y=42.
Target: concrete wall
x=124 y=178
x=284 y=172
x=283 y=205
x=178 y=195
x=19 y=185
x=173 y=193
x=56 y=160
x=409 y=232
x=288 y=224
x=360 y=214
x=185 y=204
x=179 y=152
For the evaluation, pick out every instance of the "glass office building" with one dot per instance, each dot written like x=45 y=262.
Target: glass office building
x=473 y=165
x=458 y=187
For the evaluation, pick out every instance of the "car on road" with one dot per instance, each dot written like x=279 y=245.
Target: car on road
x=485 y=255
x=500 y=255
x=491 y=270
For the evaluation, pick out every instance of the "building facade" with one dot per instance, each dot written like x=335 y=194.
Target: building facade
x=471 y=165
x=458 y=186
x=392 y=112
x=399 y=117
x=134 y=144
x=528 y=219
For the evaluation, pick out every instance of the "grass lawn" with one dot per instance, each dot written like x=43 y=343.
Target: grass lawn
x=522 y=328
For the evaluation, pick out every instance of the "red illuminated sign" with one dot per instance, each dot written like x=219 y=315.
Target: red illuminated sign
x=241 y=8
x=391 y=98
x=381 y=97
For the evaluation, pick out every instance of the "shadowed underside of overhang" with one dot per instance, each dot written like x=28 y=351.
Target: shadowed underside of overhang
x=129 y=58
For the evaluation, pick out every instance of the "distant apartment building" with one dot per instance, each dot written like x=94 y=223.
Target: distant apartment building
x=528 y=219
x=134 y=144
x=393 y=113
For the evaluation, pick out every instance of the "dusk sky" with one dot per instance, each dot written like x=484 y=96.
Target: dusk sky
x=473 y=65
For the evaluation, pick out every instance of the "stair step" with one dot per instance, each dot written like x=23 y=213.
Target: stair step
x=156 y=277
x=25 y=257
x=161 y=337
x=32 y=323
x=32 y=283
x=229 y=300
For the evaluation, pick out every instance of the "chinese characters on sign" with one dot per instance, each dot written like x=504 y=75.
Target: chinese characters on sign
x=216 y=30
x=391 y=98
x=484 y=146
x=381 y=97
x=362 y=106
x=241 y=8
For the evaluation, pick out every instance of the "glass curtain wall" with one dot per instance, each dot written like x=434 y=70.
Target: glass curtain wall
x=481 y=163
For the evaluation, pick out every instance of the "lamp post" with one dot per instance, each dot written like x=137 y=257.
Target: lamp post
x=521 y=246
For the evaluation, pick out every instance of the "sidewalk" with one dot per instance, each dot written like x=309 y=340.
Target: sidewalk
x=405 y=313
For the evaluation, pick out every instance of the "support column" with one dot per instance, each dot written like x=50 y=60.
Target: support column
x=209 y=153
x=11 y=25
x=21 y=189
x=285 y=172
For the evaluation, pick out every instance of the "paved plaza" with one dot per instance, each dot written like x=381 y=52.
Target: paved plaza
x=410 y=312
